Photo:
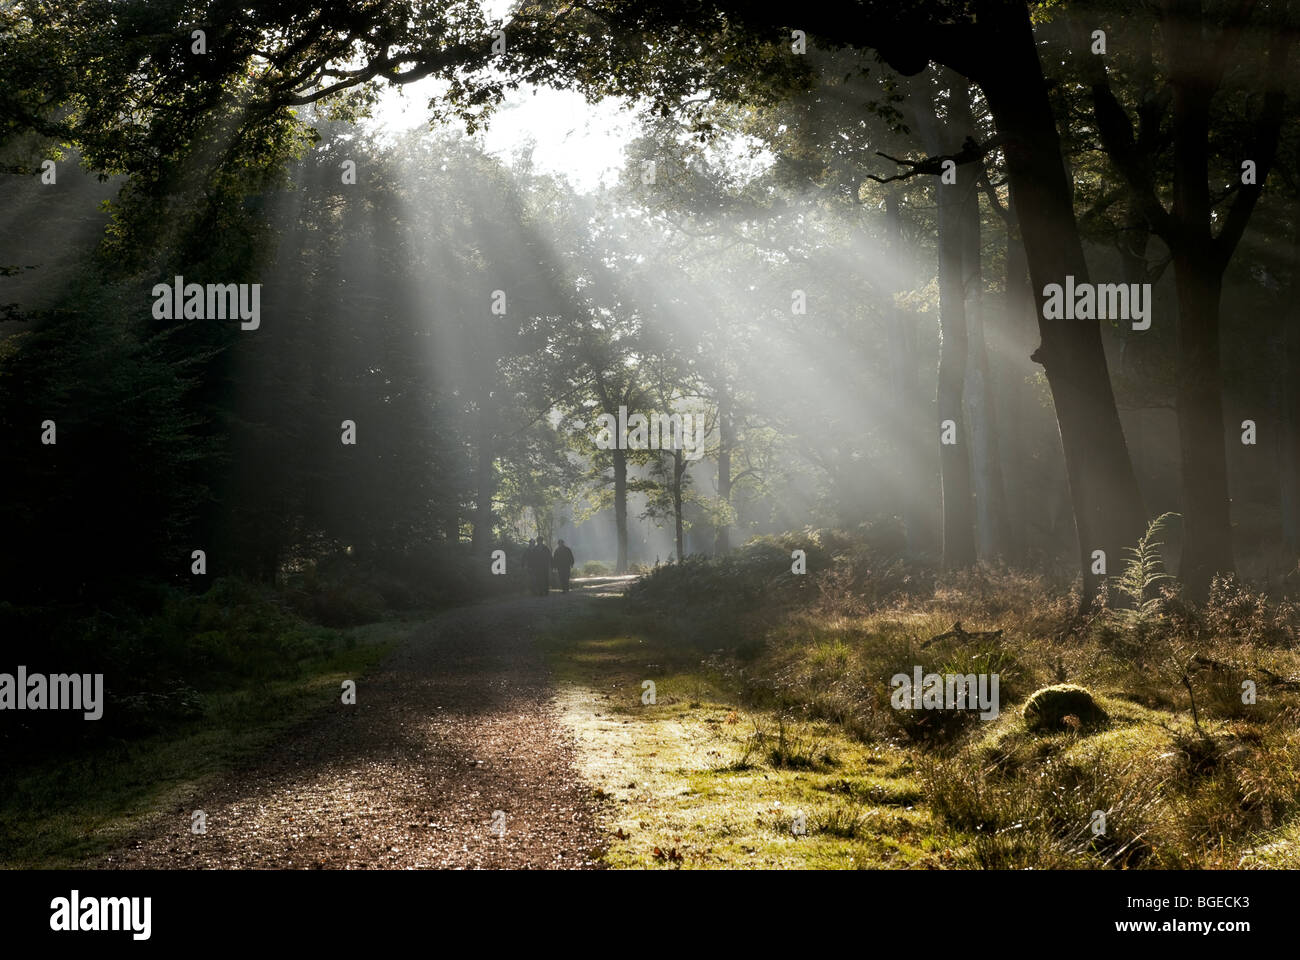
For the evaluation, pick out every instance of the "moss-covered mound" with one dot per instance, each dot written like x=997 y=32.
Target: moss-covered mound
x=1047 y=708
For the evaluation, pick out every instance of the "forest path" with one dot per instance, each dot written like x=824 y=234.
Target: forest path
x=458 y=723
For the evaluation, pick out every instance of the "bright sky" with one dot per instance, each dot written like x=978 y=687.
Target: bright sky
x=581 y=141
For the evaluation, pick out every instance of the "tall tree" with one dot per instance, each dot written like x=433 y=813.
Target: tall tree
x=1199 y=48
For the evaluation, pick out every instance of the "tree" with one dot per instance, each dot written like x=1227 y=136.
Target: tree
x=1198 y=50
x=678 y=55
x=958 y=225
x=697 y=46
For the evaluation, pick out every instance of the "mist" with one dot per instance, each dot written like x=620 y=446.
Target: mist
x=610 y=435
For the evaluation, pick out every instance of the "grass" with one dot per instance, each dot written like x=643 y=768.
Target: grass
x=773 y=743
x=58 y=813
x=698 y=779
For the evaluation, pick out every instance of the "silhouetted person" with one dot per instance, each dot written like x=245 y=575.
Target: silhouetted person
x=563 y=563
x=540 y=567
x=543 y=568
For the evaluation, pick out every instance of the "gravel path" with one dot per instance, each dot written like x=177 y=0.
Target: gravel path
x=457 y=724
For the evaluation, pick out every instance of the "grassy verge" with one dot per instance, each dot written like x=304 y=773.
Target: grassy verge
x=773 y=741
x=698 y=779
x=63 y=811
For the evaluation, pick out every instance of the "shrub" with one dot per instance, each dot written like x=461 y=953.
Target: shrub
x=162 y=658
x=1045 y=817
x=1234 y=612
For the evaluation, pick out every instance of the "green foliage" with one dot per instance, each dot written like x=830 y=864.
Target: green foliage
x=1083 y=726
x=746 y=576
x=161 y=651
x=58 y=808
x=131 y=468
x=797 y=747
x=1138 y=585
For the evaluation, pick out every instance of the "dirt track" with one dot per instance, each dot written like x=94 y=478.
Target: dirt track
x=456 y=724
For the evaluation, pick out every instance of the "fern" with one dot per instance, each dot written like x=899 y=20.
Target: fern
x=1139 y=583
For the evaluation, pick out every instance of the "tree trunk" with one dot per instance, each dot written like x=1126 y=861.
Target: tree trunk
x=954 y=457
x=620 y=508
x=1291 y=396
x=722 y=536
x=1198 y=272
x=990 y=494
x=1132 y=246
x=907 y=389
x=1018 y=309
x=679 y=471
x=1108 y=510
x=986 y=463
x=1207 y=540
x=486 y=487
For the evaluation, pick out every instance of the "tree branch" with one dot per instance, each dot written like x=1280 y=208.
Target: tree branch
x=1268 y=128
x=384 y=68
x=1129 y=155
x=970 y=152
x=1229 y=37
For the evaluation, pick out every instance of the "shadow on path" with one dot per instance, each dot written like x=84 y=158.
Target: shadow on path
x=457 y=724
